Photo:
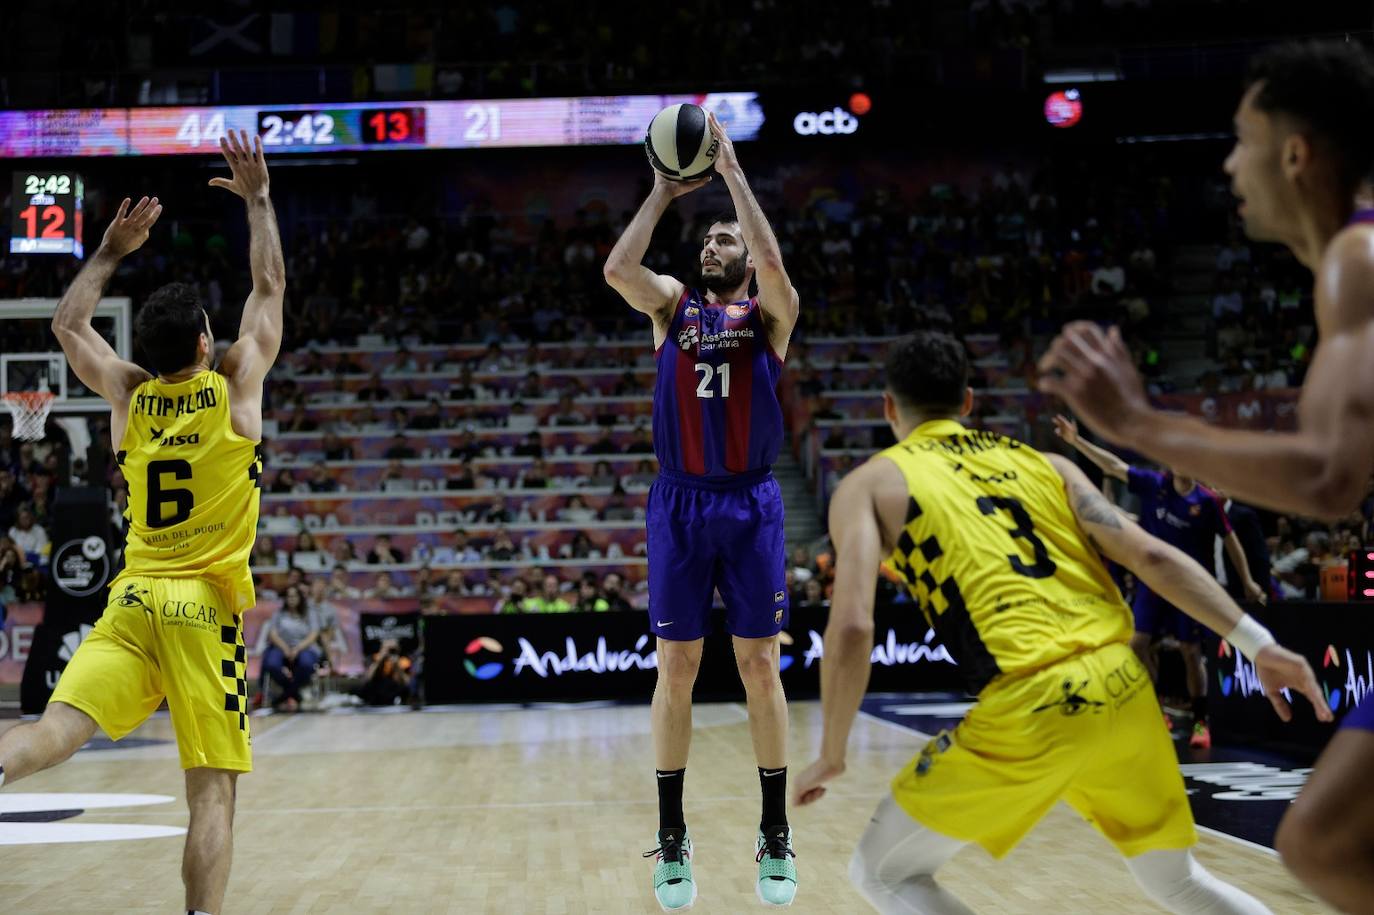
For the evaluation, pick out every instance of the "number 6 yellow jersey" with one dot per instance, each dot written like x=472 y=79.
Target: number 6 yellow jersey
x=992 y=552
x=193 y=486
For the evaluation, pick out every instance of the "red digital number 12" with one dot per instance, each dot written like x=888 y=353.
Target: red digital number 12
x=52 y=216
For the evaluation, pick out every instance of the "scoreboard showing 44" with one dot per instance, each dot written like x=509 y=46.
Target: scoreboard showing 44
x=47 y=213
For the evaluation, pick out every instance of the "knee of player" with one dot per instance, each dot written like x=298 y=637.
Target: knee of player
x=759 y=671
x=210 y=791
x=678 y=670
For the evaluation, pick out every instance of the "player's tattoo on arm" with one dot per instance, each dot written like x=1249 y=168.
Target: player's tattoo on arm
x=1093 y=508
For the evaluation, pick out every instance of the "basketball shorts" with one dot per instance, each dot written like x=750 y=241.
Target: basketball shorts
x=1361 y=716
x=705 y=535
x=1086 y=730
x=167 y=638
x=1155 y=616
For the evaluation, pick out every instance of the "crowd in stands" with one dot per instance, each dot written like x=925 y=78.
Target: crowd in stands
x=30 y=474
x=1262 y=327
x=512 y=49
x=476 y=370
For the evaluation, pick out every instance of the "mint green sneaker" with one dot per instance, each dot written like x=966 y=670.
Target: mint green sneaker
x=777 y=884
x=674 y=887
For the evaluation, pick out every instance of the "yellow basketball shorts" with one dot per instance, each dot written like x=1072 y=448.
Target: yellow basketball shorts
x=1088 y=730
x=172 y=638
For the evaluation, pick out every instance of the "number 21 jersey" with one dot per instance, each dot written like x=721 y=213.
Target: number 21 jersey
x=994 y=555
x=193 y=486
x=716 y=411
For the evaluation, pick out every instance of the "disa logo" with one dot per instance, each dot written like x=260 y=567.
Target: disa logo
x=489 y=669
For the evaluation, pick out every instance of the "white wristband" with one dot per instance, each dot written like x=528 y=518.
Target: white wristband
x=1249 y=636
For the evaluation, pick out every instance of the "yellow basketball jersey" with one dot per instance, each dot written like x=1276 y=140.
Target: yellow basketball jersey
x=993 y=553
x=193 y=486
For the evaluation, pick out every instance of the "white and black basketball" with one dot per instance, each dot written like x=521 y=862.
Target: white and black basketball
x=679 y=143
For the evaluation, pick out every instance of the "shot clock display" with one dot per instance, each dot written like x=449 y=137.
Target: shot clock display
x=47 y=213
x=393 y=126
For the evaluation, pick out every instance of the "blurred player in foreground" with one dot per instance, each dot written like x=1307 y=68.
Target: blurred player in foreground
x=1304 y=147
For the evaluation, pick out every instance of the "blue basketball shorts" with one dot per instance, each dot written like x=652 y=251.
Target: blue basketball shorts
x=1156 y=616
x=1361 y=716
x=706 y=534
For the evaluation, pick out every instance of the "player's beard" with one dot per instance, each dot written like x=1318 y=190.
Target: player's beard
x=730 y=278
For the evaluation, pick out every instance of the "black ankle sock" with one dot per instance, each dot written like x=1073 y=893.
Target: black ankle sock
x=1200 y=709
x=774 y=784
x=670 y=799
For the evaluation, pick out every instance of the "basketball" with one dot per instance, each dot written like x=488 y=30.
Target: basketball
x=679 y=143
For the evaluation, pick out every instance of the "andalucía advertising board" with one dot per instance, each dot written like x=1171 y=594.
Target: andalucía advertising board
x=1336 y=639
x=579 y=656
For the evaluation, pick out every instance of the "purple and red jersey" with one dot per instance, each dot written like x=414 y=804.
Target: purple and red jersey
x=1192 y=522
x=716 y=410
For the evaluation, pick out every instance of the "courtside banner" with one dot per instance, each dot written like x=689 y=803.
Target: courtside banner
x=581 y=656
x=1337 y=640
x=80 y=568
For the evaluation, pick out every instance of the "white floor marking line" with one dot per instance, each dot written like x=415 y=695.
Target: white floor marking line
x=1238 y=840
x=32 y=802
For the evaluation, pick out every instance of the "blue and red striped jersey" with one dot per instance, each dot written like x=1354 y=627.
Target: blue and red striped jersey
x=716 y=410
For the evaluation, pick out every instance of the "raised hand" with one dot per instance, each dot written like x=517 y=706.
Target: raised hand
x=675 y=188
x=129 y=229
x=1066 y=428
x=1279 y=669
x=246 y=163
x=1093 y=372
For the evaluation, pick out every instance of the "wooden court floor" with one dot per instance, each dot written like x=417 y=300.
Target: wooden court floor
x=532 y=811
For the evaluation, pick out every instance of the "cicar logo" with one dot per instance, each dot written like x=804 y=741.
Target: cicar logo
x=489 y=669
x=827 y=123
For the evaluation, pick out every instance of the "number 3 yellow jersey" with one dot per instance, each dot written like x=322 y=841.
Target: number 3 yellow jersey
x=193 y=486
x=991 y=550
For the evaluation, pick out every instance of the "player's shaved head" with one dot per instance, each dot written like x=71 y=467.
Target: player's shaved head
x=927 y=373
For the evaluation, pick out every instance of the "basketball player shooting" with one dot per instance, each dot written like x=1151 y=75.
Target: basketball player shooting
x=715 y=514
x=1304 y=144
x=187 y=441
x=1001 y=547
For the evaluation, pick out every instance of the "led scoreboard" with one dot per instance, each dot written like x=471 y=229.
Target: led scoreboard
x=47 y=213
x=351 y=127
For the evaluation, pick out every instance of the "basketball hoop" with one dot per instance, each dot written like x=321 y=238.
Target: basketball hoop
x=30 y=412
